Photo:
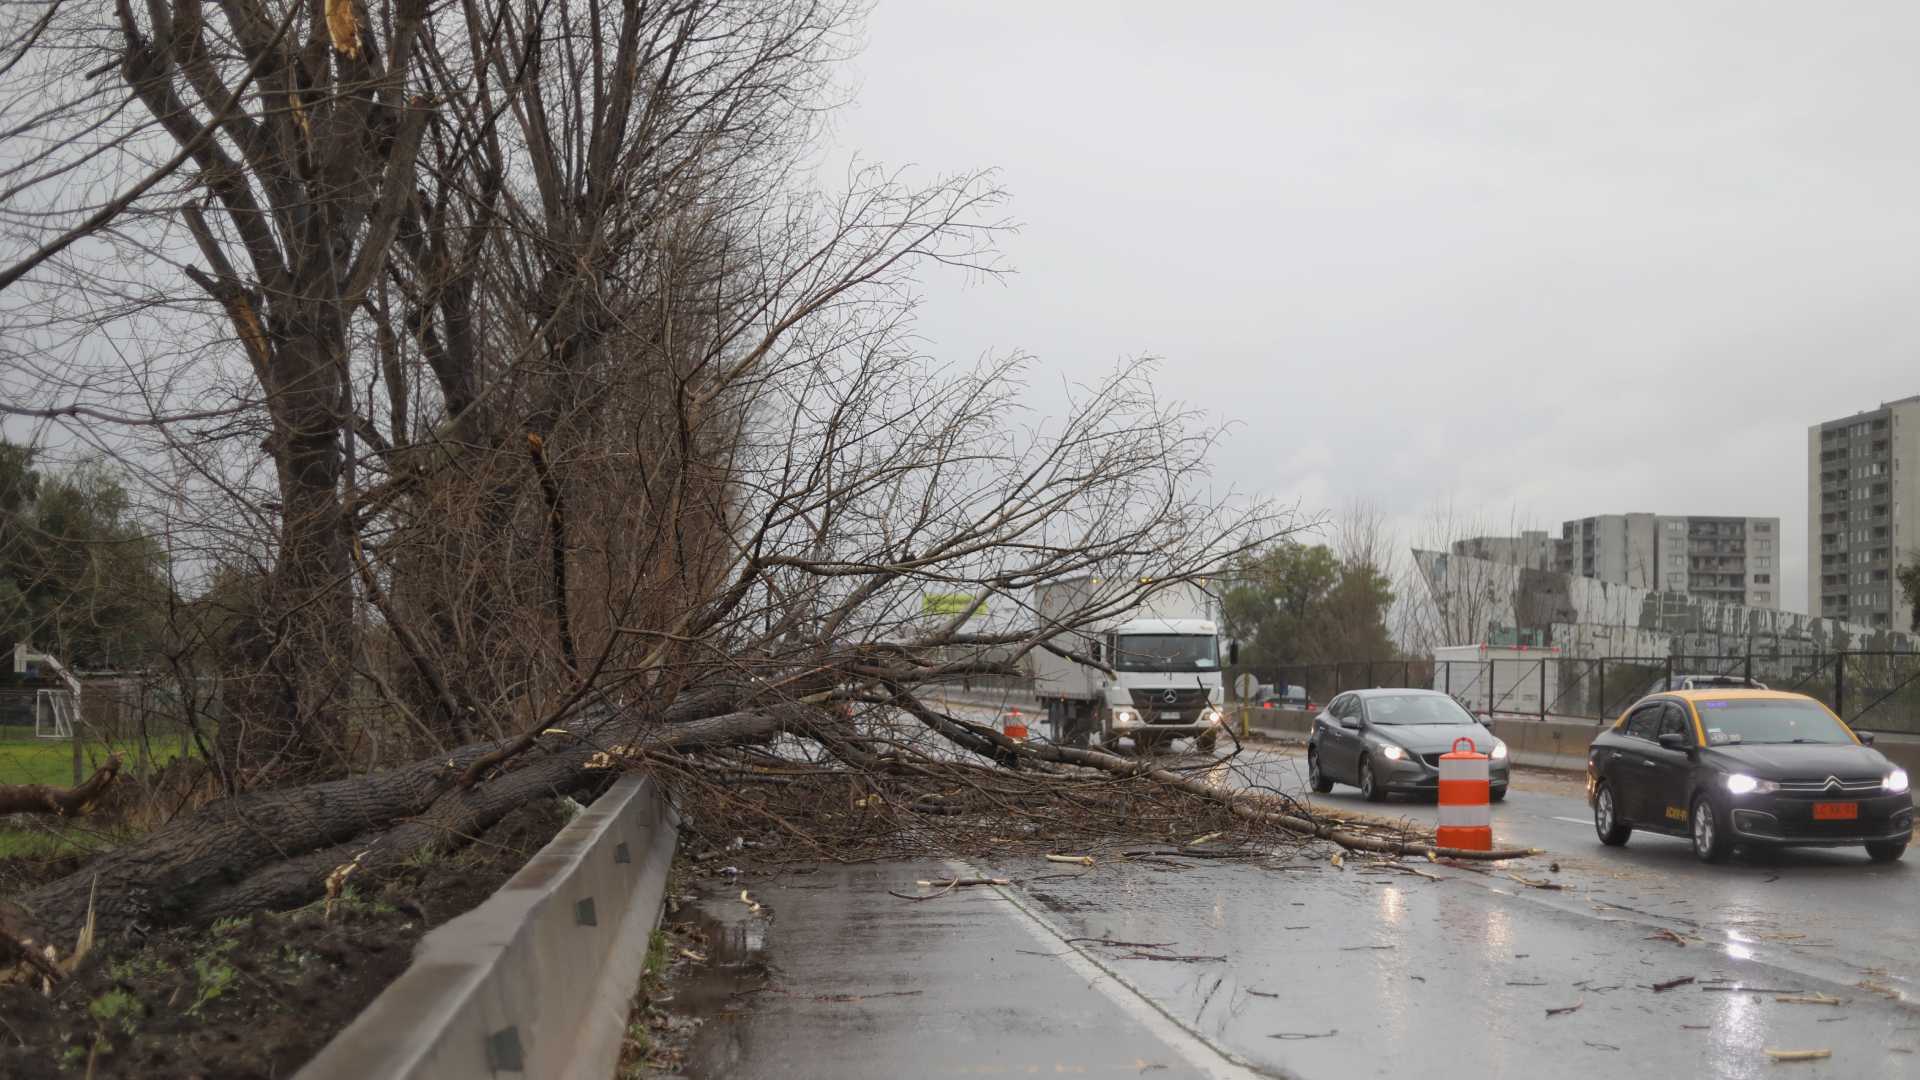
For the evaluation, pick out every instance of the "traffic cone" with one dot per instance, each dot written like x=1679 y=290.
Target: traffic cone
x=1466 y=815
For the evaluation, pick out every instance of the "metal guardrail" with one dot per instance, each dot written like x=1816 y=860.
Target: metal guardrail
x=535 y=982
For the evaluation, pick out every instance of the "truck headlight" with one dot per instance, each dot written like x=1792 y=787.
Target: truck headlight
x=1125 y=717
x=1499 y=750
x=1213 y=716
x=1896 y=782
x=1392 y=752
x=1742 y=784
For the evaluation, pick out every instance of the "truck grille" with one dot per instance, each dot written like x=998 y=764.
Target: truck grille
x=1183 y=698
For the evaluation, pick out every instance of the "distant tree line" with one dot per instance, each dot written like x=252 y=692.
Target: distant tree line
x=79 y=576
x=1296 y=603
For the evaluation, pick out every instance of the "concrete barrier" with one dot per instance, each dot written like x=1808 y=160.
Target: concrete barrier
x=1540 y=744
x=1554 y=743
x=534 y=982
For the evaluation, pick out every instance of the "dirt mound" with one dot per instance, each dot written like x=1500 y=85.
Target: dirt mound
x=252 y=998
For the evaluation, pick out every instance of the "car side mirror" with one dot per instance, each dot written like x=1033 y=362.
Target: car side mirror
x=1673 y=740
x=1865 y=737
x=1233 y=653
x=1351 y=723
x=1097 y=657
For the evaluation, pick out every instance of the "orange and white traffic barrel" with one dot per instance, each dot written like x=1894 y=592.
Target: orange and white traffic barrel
x=1013 y=725
x=1466 y=815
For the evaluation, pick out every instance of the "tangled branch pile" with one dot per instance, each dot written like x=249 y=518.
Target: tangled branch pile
x=904 y=795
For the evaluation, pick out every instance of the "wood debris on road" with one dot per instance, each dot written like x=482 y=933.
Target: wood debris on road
x=1536 y=883
x=1811 y=999
x=1799 y=1055
x=948 y=886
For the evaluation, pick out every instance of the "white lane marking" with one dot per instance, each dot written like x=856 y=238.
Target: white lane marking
x=1575 y=820
x=1202 y=1055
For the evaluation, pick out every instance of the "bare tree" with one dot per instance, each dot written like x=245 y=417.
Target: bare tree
x=1447 y=601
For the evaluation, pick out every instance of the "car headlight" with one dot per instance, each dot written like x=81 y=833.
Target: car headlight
x=1391 y=752
x=1124 y=717
x=1742 y=784
x=1896 y=781
x=1499 y=750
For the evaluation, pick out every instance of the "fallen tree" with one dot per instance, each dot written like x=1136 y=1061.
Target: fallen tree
x=276 y=850
x=215 y=861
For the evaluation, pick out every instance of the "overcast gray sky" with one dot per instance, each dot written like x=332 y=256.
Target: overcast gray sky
x=1538 y=259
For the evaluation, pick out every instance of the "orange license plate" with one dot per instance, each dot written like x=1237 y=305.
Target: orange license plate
x=1836 y=811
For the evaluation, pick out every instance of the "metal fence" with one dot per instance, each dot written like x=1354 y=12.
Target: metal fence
x=136 y=717
x=1875 y=691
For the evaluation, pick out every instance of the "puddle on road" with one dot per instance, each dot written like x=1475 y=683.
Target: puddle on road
x=718 y=994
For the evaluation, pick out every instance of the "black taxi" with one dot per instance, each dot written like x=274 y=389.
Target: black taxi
x=1746 y=767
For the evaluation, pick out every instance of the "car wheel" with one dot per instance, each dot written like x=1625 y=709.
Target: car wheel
x=1369 y=785
x=1496 y=794
x=1317 y=778
x=1206 y=743
x=1710 y=839
x=1606 y=818
x=1886 y=851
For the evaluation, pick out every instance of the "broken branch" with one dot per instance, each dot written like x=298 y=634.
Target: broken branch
x=63 y=802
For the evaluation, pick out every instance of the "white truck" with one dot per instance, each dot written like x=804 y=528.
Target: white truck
x=1165 y=665
x=1493 y=680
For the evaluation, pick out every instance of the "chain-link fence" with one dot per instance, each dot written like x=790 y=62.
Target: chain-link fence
x=136 y=717
x=1875 y=691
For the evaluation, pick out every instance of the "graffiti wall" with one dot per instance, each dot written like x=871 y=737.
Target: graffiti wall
x=1589 y=618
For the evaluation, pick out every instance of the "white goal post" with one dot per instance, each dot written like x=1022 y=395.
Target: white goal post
x=54 y=711
x=53 y=714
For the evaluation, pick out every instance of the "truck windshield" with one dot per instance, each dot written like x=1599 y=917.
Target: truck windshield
x=1167 y=652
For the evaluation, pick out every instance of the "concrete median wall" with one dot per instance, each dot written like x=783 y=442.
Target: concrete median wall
x=534 y=982
x=1546 y=744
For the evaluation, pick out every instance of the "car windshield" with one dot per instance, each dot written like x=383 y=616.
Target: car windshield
x=1416 y=709
x=1762 y=721
x=1167 y=652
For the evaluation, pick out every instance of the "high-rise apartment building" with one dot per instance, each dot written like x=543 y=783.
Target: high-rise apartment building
x=1730 y=560
x=1533 y=550
x=1863 y=513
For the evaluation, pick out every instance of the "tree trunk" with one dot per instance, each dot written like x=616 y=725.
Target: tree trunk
x=276 y=847
x=312 y=594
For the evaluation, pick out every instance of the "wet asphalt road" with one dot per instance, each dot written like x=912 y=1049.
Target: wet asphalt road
x=1827 y=911
x=1299 y=969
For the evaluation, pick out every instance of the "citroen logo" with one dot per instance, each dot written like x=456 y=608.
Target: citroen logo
x=1833 y=783
x=1169 y=697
